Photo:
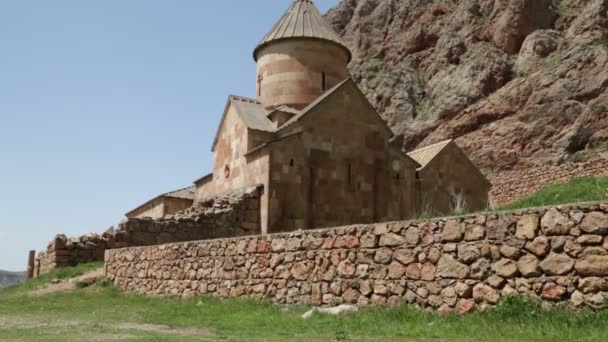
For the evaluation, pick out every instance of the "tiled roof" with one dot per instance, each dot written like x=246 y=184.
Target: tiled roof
x=313 y=104
x=302 y=20
x=424 y=155
x=186 y=193
x=252 y=113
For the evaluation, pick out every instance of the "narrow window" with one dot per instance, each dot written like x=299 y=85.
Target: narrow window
x=227 y=171
x=291 y=162
x=397 y=177
x=349 y=174
x=260 y=85
x=323 y=81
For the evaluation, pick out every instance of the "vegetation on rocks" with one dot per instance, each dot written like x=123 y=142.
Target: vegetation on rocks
x=102 y=312
x=577 y=190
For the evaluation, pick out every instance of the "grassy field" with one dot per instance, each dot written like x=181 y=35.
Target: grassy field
x=577 y=190
x=102 y=313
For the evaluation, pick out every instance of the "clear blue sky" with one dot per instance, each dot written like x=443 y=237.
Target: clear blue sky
x=105 y=104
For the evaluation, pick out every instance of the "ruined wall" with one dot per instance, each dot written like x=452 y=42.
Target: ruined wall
x=227 y=215
x=64 y=252
x=510 y=186
x=173 y=205
x=557 y=254
x=450 y=178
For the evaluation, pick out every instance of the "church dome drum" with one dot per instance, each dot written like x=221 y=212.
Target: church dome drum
x=299 y=59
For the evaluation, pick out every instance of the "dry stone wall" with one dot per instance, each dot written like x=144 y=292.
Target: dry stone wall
x=511 y=186
x=557 y=254
x=63 y=252
x=228 y=215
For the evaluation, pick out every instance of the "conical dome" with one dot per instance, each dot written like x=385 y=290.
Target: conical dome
x=302 y=20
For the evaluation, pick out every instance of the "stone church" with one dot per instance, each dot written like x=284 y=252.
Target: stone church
x=318 y=151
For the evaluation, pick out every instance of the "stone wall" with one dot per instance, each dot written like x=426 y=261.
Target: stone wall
x=63 y=252
x=227 y=215
x=510 y=186
x=557 y=254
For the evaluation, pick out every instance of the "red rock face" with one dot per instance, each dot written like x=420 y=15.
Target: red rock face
x=517 y=83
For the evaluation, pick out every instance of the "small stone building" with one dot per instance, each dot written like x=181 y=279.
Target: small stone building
x=448 y=182
x=320 y=153
x=165 y=204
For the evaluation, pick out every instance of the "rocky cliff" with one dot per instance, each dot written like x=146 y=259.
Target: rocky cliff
x=517 y=83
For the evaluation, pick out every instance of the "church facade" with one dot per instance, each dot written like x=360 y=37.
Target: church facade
x=318 y=151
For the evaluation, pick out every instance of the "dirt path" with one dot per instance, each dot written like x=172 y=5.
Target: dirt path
x=64 y=285
x=99 y=331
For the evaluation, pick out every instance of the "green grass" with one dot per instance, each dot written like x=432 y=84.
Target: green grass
x=58 y=273
x=587 y=189
x=576 y=190
x=100 y=312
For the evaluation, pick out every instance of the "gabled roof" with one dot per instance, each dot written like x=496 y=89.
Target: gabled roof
x=254 y=116
x=185 y=193
x=328 y=94
x=251 y=113
x=424 y=155
x=302 y=20
x=313 y=104
x=205 y=177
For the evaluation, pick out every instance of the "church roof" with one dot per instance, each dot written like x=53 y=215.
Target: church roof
x=313 y=104
x=302 y=20
x=426 y=154
x=185 y=193
x=254 y=116
x=251 y=112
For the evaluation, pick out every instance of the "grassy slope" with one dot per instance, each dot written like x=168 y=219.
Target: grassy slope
x=577 y=190
x=99 y=310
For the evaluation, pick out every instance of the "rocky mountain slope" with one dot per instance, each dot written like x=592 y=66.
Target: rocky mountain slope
x=10 y=278
x=517 y=83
